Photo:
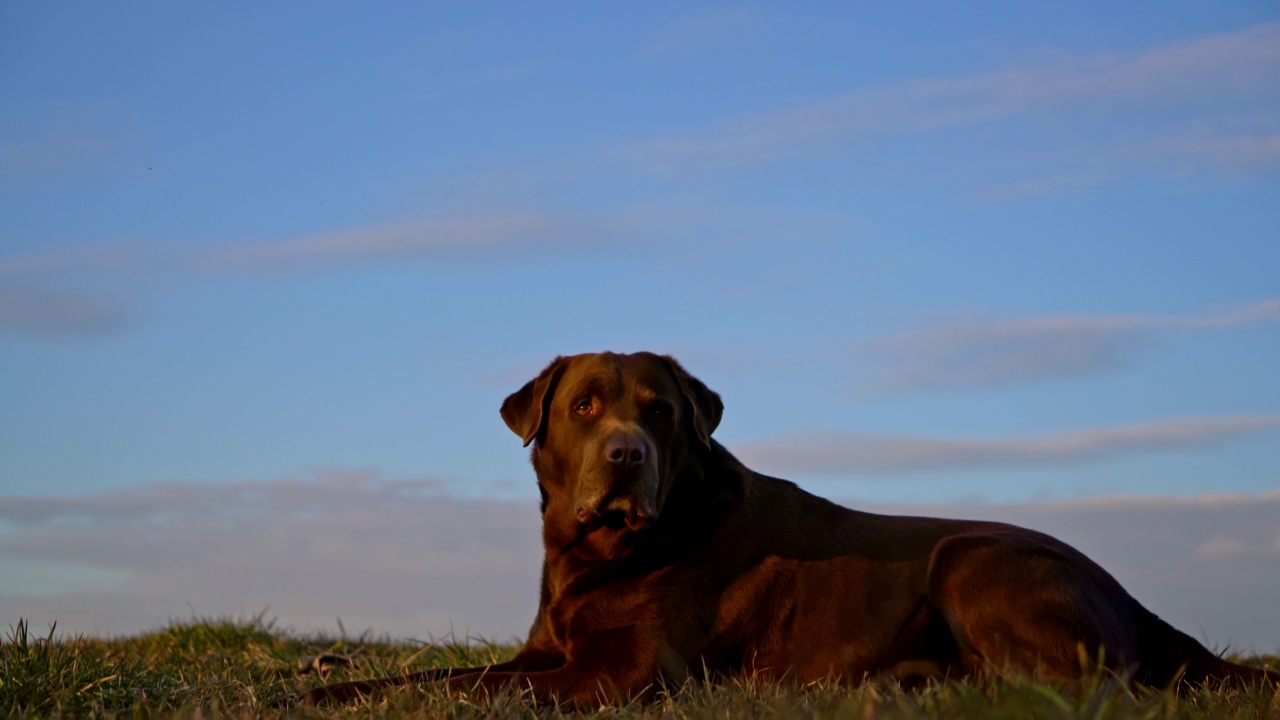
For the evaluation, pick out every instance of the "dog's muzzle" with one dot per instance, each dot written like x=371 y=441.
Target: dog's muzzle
x=621 y=486
x=617 y=512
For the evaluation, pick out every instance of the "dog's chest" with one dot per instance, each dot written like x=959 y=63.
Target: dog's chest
x=577 y=612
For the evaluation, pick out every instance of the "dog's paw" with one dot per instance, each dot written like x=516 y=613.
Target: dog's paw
x=321 y=664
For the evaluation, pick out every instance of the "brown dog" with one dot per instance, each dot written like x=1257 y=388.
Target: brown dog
x=667 y=558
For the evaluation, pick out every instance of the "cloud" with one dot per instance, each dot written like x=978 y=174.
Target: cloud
x=700 y=30
x=1240 y=147
x=35 y=302
x=62 y=143
x=54 y=263
x=1218 y=80
x=34 y=305
x=26 y=156
x=508 y=72
x=486 y=237
x=1243 y=151
x=440 y=88
x=1221 y=547
x=47 y=314
x=398 y=556
x=1039 y=124
x=856 y=453
x=1023 y=350
x=403 y=557
x=502 y=237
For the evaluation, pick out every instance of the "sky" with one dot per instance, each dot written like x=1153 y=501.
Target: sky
x=267 y=272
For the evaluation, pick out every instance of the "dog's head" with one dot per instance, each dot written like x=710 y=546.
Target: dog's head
x=611 y=433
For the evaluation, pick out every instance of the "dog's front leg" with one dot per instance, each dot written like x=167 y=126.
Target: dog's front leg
x=573 y=685
x=528 y=660
x=604 y=667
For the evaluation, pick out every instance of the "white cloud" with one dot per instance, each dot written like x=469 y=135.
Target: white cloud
x=49 y=314
x=477 y=236
x=401 y=557
x=437 y=88
x=65 y=141
x=35 y=296
x=34 y=304
x=508 y=72
x=1021 y=350
x=856 y=453
x=1207 y=86
x=1243 y=151
x=702 y=29
x=396 y=556
x=52 y=579
x=80 y=257
x=1221 y=547
x=493 y=237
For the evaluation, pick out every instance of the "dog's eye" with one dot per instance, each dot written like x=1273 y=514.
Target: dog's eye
x=659 y=410
x=582 y=407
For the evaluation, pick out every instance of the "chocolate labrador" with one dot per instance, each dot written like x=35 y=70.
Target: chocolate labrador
x=666 y=558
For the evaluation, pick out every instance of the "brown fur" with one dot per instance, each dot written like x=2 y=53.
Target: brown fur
x=667 y=558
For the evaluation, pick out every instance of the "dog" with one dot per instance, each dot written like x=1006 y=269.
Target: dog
x=667 y=558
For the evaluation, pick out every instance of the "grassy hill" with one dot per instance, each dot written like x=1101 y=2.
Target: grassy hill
x=248 y=668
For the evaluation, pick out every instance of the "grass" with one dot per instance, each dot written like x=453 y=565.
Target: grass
x=248 y=668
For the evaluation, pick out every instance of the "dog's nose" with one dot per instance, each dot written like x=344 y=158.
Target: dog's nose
x=624 y=452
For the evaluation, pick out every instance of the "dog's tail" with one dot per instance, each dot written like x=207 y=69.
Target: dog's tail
x=1168 y=656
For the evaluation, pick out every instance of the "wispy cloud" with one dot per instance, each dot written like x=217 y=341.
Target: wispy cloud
x=311 y=549
x=1241 y=147
x=33 y=302
x=702 y=29
x=1221 y=547
x=1023 y=350
x=437 y=89
x=491 y=237
x=99 y=257
x=47 y=314
x=856 y=453
x=65 y=142
x=1211 y=78
x=1203 y=103
x=498 y=236
x=402 y=557
x=508 y=72
x=66 y=291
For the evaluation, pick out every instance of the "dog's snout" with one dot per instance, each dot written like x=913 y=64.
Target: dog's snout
x=627 y=452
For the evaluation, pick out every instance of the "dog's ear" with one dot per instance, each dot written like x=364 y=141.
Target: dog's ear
x=525 y=410
x=705 y=402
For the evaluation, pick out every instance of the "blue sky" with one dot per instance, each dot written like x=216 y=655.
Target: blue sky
x=999 y=253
